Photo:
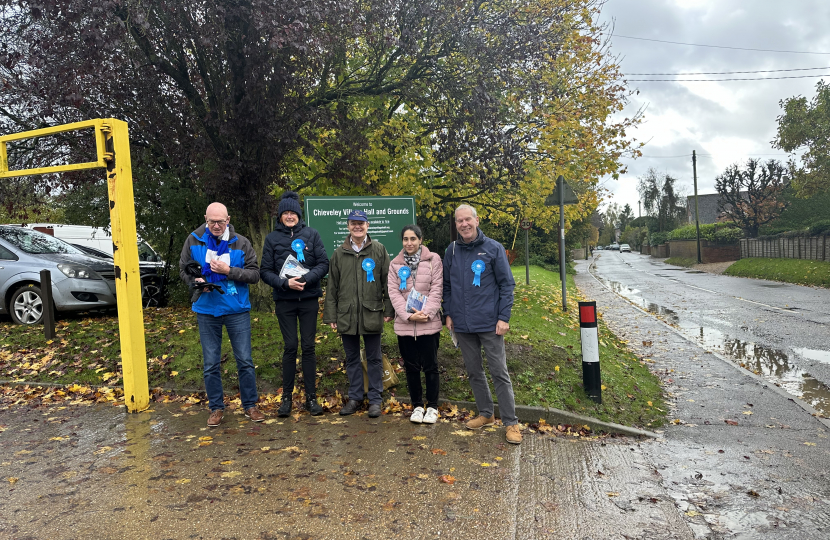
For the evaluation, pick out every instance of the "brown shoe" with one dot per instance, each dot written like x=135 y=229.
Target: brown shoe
x=254 y=414
x=514 y=434
x=215 y=417
x=479 y=422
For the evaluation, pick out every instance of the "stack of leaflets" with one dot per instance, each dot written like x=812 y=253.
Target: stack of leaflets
x=415 y=301
x=292 y=268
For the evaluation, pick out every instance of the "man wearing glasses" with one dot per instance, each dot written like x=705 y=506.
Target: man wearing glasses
x=226 y=263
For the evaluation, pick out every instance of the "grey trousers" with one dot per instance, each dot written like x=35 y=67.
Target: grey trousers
x=493 y=344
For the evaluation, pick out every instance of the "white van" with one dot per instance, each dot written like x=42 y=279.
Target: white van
x=95 y=238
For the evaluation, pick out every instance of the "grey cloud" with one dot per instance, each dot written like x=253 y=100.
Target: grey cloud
x=705 y=121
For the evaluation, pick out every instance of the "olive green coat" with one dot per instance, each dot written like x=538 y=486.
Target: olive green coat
x=358 y=306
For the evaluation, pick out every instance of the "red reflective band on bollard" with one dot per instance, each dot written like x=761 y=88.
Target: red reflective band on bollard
x=591 y=379
x=587 y=313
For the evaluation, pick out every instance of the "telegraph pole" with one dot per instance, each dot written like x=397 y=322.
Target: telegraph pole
x=697 y=220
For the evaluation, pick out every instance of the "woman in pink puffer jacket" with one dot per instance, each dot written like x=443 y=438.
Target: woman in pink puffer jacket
x=419 y=331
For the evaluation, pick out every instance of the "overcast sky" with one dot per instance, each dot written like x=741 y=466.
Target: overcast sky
x=725 y=122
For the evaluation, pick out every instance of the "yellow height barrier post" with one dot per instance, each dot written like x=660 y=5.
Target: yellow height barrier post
x=112 y=143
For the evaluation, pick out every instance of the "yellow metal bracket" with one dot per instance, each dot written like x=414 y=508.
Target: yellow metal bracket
x=112 y=144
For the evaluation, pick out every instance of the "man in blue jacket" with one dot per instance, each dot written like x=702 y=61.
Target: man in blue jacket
x=227 y=260
x=478 y=298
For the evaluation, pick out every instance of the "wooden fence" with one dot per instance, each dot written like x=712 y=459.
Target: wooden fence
x=816 y=248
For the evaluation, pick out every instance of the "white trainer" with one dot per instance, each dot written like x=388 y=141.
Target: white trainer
x=417 y=415
x=431 y=416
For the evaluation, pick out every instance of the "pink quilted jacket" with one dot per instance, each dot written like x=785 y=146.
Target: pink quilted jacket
x=429 y=280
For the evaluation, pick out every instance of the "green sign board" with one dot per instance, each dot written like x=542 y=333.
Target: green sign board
x=387 y=216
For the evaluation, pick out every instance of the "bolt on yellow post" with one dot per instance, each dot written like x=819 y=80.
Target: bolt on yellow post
x=112 y=145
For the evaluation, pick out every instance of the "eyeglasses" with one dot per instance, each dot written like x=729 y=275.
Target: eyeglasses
x=212 y=223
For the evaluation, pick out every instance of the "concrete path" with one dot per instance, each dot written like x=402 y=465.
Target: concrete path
x=81 y=472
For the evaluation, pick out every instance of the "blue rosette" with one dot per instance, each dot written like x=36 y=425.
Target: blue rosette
x=298 y=246
x=478 y=268
x=404 y=274
x=369 y=265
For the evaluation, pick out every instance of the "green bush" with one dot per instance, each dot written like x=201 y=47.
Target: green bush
x=801 y=214
x=727 y=235
x=721 y=233
x=819 y=227
x=657 y=238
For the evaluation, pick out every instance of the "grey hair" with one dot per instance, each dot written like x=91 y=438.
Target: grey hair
x=466 y=207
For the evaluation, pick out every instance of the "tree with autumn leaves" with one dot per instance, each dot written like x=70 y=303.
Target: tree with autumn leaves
x=237 y=100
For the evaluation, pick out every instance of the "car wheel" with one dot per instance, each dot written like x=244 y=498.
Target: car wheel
x=26 y=306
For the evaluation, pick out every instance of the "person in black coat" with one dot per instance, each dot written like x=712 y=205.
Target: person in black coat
x=296 y=298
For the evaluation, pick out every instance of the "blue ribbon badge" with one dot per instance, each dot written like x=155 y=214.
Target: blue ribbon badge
x=369 y=265
x=298 y=246
x=403 y=274
x=478 y=268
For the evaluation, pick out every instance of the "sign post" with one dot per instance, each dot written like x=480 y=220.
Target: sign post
x=387 y=216
x=562 y=195
x=526 y=225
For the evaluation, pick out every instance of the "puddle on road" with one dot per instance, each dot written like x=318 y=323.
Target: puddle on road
x=814 y=354
x=634 y=296
x=772 y=364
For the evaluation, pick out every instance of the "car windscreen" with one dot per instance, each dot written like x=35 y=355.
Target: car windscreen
x=35 y=242
x=145 y=252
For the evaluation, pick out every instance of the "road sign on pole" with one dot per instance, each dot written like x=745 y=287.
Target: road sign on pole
x=526 y=224
x=566 y=196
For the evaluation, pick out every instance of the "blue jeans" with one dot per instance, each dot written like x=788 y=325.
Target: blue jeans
x=239 y=331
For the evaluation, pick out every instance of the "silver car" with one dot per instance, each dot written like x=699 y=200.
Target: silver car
x=79 y=282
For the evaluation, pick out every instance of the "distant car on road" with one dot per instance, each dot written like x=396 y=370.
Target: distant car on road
x=600 y=248
x=625 y=247
x=615 y=246
x=79 y=282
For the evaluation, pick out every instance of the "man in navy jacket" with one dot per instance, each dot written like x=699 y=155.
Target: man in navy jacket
x=478 y=298
x=295 y=298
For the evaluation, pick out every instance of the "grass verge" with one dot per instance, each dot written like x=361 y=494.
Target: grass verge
x=543 y=351
x=801 y=272
x=681 y=261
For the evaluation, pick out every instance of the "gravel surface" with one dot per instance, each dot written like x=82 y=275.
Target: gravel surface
x=713 y=268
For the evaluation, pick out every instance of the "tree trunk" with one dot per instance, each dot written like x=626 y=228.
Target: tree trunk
x=258 y=229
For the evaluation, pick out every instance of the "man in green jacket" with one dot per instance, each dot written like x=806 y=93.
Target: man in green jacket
x=357 y=304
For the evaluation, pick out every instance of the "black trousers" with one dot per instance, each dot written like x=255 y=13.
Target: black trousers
x=421 y=354
x=289 y=312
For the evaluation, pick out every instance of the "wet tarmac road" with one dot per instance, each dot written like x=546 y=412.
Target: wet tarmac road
x=82 y=472
x=777 y=330
x=741 y=458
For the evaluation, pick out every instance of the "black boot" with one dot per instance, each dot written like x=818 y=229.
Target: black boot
x=285 y=407
x=312 y=406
